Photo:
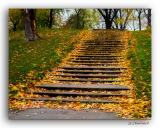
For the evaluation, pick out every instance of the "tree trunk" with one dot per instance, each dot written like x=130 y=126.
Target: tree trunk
x=14 y=27
x=120 y=13
x=109 y=16
x=139 y=19
x=30 y=24
x=116 y=24
x=149 y=17
x=134 y=20
x=134 y=25
x=77 y=21
x=50 y=18
x=108 y=23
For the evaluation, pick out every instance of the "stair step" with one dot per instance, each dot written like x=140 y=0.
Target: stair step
x=93 y=64
x=93 y=68
x=103 y=45
x=103 y=41
x=88 y=80
x=91 y=50
x=51 y=93
x=89 y=71
x=111 y=87
x=97 y=52
x=103 y=54
x=71 y=100
x=108 y=62
x=88 y=75
x=98 y=61
x=97 y=56
x=102 y=48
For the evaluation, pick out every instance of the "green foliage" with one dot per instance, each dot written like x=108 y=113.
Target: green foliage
x=42 y=17
x=29 y=61
x=141 y=63
x=83 y=19
x=15 y=19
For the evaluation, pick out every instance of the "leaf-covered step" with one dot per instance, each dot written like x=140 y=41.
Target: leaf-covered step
x=89 y=75
x=98 y=52
x=89 y=71
x=104 y=41
x=97 y=56
x=90 y=49
x=103 y=45
x=93 y=64
x=97 y=61
x=71 y=100
x=102 y=49
x=110 y=87
x=94 y=68
x=88 y=80
x=91 y=94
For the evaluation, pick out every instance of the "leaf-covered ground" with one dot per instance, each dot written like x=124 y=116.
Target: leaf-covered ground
x=140 y=55
x=135 y=108
x=34 y=58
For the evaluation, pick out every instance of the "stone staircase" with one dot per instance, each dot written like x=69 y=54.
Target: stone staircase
x=93 y=73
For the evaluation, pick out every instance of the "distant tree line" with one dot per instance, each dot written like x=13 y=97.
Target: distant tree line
x=120 y=18
x=30 y=19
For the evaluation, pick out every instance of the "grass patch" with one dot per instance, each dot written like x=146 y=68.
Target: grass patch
x=140 y=56
x=30 y=60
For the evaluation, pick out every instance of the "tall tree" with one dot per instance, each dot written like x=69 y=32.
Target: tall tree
x=148 y=16
x=139 y=11
x=77 y=11
x=133 y=19
x=109 y=16
x=30 y=24
x=54 y=17
x=122 y=18
x=83 y=19
x=15 y=17
x=50 y=18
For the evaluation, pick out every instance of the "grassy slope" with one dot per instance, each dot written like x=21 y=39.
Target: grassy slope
x=37 y=56
x=141 y=63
